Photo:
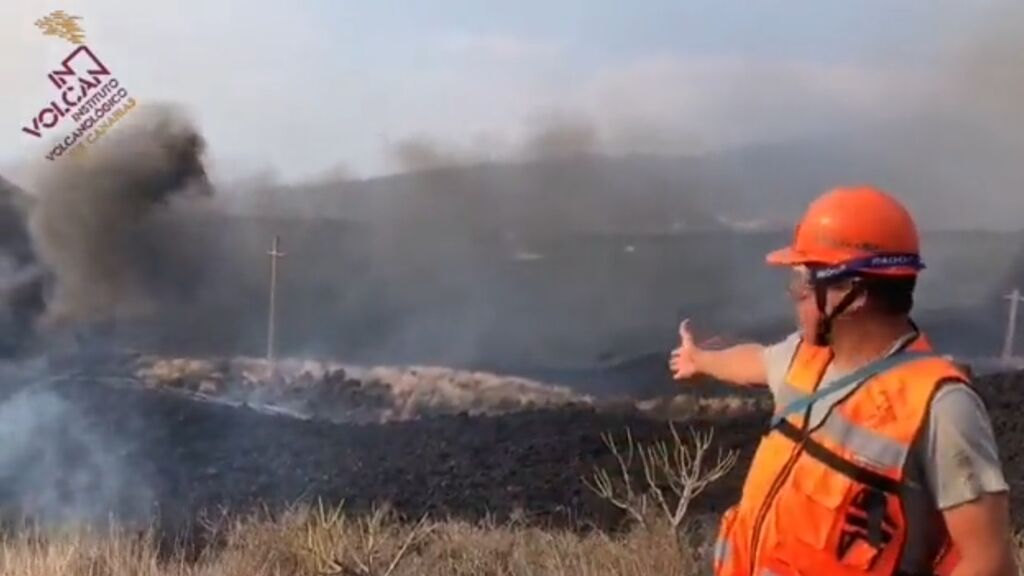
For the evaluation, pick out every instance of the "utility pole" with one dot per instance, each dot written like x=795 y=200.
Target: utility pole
x=275 y=253
x=1011 y=324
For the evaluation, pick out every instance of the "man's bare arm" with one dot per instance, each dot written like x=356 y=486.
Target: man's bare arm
x=964 y=474
x=980 y=531
x=743 y=364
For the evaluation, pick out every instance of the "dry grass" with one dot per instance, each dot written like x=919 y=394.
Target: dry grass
x=350 y=393
x=321 y=542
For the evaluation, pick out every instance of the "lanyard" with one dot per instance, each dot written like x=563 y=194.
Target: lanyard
x=863 y=373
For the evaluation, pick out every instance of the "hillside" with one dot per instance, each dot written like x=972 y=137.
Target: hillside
x=933 y=164
x=559 y=265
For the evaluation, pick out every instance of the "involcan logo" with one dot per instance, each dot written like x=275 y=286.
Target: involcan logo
x=88 y=99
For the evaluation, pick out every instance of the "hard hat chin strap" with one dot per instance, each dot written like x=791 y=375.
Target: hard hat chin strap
x=823 y=335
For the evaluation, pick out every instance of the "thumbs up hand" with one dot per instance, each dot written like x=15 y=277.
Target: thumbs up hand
x=681 y=362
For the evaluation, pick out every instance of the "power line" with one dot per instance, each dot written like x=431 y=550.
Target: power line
x=275 y=254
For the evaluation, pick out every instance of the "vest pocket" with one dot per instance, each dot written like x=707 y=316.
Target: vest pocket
x=813 y=499
x=817 y=524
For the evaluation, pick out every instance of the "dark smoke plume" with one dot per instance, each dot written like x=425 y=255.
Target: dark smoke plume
x=551 y=135
x=562 y=135
x=418 y=153
x=21 y=277
x=92 y=220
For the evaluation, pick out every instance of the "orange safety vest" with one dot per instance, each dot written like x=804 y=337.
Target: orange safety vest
x=828 y=501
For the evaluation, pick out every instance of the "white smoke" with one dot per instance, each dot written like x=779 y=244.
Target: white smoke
x=56 y=466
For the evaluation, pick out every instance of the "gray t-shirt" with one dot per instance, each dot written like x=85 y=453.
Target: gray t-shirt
x=954 y=457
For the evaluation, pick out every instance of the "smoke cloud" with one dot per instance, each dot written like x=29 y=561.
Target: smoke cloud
x=92 y=223
x=418 y=153
x=562 y=135
x=986 y=80
x=59 y=468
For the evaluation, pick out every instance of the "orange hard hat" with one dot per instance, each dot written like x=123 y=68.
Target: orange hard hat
x=854 y=229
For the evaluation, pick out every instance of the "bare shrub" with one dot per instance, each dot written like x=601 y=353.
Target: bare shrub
x=373 y=546
x=673 y=472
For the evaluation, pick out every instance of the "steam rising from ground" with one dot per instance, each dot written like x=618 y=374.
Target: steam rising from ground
x=60 y=470
x=57 y=466
x=91 y=223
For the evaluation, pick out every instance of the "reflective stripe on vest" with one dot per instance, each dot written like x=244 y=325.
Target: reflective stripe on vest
x=838 y=463
x=870 y=447
x=864 y=444
x=829 y=500
x=723 y=551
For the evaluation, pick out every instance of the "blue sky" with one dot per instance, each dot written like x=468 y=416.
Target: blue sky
x=310 y=88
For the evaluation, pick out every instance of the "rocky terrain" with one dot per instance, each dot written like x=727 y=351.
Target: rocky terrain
x=204 y=438
x=88 y=446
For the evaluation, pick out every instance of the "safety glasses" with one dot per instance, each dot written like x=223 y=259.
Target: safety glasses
x=799 y=286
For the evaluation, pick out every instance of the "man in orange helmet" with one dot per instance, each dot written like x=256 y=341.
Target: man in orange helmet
x=880 y=459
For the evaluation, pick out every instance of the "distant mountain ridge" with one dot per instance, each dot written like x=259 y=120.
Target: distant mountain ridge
x=952 y=176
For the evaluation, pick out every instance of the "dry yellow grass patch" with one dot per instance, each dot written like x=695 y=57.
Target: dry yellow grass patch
x=318 y=542
x=321 y=542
